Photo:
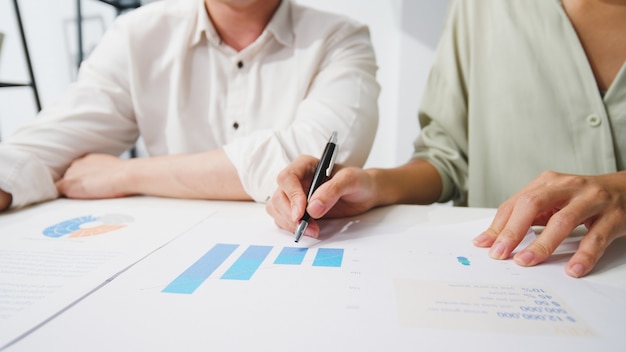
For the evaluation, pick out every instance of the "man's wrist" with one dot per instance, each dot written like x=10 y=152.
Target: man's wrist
x=128 y=180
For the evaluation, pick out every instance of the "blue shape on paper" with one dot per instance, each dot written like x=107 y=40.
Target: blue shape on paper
x=198 y=272
x=463 y=261
x=244 y=267
x=331 y=257
x=291 y=256
x=68 y=227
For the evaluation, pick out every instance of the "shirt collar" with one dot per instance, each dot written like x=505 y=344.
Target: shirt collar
x=280 y=26
x=204 y=27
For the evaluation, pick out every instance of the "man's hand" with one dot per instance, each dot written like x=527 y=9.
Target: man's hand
x=560 y=202
x=94 y=176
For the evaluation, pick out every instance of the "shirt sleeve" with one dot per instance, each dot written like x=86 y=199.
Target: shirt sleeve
x=25 y=177
x=342 y=97
x=93 y=115
x=443 y=111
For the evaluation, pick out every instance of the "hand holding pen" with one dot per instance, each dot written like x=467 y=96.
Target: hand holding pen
x=351 y=191
x=322 y=172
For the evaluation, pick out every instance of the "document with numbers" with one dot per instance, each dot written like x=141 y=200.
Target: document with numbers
x=240 y=284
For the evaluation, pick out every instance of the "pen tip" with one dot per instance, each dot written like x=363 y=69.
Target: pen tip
x=300 y=230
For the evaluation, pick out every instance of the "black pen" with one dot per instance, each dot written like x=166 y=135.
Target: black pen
x=322 y=172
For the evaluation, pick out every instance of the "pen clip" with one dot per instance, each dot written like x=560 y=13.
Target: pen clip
x=325 y=165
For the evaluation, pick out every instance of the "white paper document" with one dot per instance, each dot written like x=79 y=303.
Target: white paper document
x=52 y=255
x=243 y=285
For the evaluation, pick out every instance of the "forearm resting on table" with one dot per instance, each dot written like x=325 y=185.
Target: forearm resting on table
x=416 y=182
x=208 y=175
x=5 y=200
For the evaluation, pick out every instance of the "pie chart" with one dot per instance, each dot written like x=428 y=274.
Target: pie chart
x=89 y=225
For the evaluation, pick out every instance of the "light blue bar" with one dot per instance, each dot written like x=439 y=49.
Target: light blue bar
x=291 y=256
x=328 y=257
x=244 y=267
x=198 y=272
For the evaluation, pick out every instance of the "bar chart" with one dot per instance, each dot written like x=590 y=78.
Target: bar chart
x=247 y=263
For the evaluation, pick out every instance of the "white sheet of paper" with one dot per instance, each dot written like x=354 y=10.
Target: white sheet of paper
x=54 y=254
x=390 y=287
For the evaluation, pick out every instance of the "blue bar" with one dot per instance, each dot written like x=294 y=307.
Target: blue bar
x=244 y=267
x=291 y=256
x=328 y=257
x=198 y=272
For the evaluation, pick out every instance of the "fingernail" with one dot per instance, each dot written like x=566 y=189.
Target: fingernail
x=576 y=270
x=525 y=258
x=481 y=239
x=295 y=214
x=315 y=208
x=309 y=232
x=497 y=250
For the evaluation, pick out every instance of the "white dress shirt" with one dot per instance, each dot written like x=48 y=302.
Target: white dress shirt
x=161 y=72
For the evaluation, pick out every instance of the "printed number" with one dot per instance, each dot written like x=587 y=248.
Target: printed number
x=554 y=318
x=531 y=309
x=533 y=317
x=556 y=310
x=508 y=315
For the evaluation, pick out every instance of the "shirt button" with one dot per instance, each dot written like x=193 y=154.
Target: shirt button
x=240 y=64
x=594 y=120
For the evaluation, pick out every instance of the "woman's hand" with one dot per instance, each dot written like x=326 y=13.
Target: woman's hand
x=560 y=202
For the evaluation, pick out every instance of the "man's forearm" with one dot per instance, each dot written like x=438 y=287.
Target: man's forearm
x=5 y=200
x=208 y=175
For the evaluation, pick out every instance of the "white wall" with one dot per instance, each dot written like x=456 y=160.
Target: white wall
x=404 y=34
x=50 y=27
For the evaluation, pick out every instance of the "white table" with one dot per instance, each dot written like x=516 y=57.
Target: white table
x=407 y=279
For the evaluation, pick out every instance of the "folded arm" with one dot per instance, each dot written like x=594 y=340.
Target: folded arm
x=207 y=175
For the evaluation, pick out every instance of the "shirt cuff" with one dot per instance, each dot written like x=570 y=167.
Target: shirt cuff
x=258 y=159
x=25 y=177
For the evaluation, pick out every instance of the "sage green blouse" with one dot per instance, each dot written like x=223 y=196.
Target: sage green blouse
x=512 y=94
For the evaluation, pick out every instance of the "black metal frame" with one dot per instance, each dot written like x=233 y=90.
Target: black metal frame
x=32 y=84
x=119 y=5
